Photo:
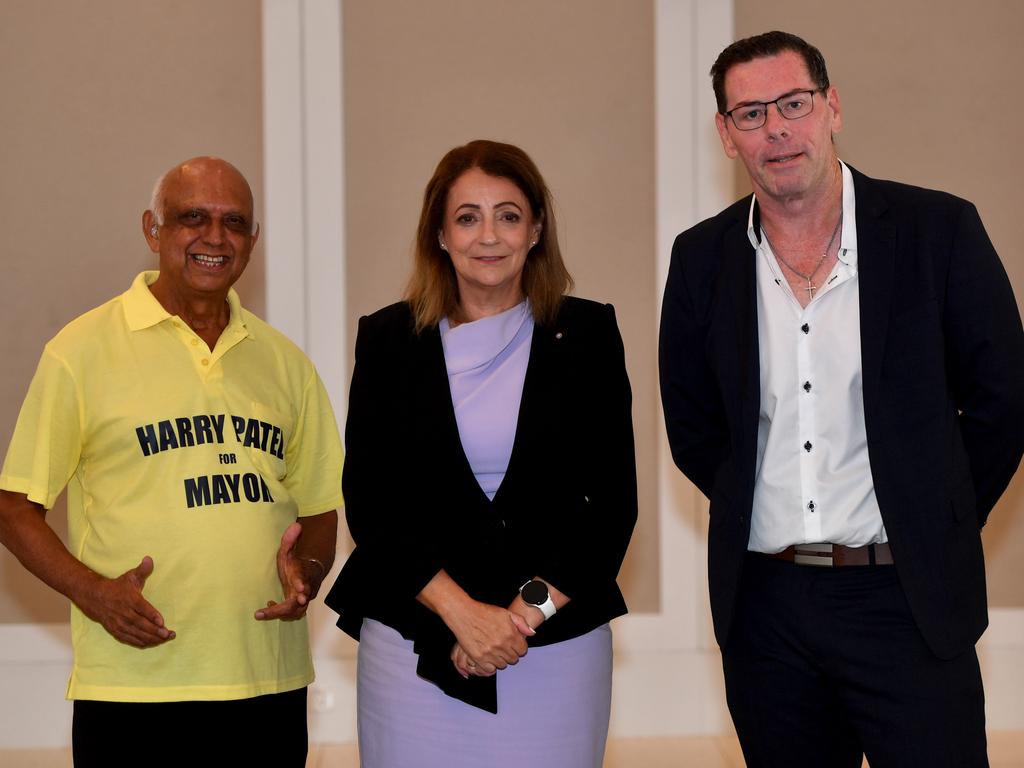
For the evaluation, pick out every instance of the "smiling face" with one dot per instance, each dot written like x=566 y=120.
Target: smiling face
x=786 y=159
x=207 y=232
x=488 y=229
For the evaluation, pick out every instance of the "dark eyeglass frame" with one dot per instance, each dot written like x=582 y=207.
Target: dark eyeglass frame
x=765 y=105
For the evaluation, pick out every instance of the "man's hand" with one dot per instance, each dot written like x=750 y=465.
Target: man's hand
x=300 y=579
x=119 y=606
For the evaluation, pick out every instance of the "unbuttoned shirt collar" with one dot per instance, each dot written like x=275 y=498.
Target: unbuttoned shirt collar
x=142 y=311
x=848 y=239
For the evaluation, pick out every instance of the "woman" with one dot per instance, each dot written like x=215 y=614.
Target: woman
x=490 y=488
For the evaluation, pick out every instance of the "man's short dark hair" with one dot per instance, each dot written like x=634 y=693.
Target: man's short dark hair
x=762 y=46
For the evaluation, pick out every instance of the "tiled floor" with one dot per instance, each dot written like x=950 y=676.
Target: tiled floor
x=1006 y=750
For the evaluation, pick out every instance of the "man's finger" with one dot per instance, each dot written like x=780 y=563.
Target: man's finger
x=289 y=537
x=287 y=609
x=146 y=610
x=139 y=633
x=141 y=572
x=150 y=622
x=153 y=630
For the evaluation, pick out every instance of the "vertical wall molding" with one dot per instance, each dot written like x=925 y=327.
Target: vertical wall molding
x=667 y=667
x=304 y=243
x=304 y=209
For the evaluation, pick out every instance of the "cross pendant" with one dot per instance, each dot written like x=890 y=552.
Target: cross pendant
x=811 y=288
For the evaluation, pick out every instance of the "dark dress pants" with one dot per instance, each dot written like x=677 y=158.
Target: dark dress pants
x=263 y=730
x=823 y=665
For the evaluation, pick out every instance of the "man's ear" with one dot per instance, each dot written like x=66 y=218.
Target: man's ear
x=723 y=134
x=151 y=231
x=832 y=100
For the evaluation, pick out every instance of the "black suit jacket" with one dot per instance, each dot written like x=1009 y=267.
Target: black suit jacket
x=565 y=509
x=942 y=353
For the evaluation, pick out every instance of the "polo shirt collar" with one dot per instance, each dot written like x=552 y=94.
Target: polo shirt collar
x=142 y=310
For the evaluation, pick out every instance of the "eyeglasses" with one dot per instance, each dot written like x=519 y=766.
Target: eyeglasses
x=792 y=106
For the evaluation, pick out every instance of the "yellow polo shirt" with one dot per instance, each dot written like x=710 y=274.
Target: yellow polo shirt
x=199 y=459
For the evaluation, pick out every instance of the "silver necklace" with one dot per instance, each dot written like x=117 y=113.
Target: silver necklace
x=811 y=288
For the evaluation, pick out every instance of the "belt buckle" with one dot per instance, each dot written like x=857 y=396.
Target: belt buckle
x=813 y=554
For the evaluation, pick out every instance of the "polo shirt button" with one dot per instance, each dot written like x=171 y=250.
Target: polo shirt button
x=195 y=342
x=205 y=361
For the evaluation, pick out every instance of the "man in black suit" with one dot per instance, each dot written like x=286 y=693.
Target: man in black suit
x=842 y=372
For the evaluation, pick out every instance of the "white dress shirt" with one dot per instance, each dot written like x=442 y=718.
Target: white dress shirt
x=813 y=481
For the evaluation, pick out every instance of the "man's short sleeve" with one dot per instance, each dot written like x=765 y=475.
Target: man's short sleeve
x=47 y=441
x=314 y=454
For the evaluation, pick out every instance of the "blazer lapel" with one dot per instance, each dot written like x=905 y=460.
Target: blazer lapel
x=429 y=380
x=876 y=262
x=739 y=270
x=538 y=375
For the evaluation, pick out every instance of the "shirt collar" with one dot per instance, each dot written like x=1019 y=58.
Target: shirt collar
x=142 y=310
x=848 y=239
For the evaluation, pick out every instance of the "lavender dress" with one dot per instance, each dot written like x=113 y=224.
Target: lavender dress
x=553 y=706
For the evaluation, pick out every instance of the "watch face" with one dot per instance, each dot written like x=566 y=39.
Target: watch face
x=535 y=592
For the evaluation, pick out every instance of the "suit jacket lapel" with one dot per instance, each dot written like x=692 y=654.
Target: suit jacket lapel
x=876 y=262
x=538 y=376
x=739 y=270
x=433 y=395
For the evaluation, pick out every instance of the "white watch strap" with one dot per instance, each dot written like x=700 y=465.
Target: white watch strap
x=547 y=608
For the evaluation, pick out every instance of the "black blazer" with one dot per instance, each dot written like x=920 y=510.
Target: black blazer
x=942 y=352
x=565 y=509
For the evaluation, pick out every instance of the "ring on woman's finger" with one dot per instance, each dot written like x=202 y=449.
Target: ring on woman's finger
x=472 y=665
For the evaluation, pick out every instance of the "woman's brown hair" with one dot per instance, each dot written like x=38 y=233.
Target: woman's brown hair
x=433 y=292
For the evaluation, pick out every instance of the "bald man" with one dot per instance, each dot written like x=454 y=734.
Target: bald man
x=203 y=467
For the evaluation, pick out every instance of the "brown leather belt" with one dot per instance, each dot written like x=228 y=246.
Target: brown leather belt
x=835 y=555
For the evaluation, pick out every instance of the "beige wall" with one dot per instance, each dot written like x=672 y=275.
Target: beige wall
x=102 y=97
x=928 y=89
x=99 y=99
x=572 y=83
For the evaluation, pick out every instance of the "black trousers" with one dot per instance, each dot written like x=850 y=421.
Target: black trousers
x=824 y=665
x=264 y=730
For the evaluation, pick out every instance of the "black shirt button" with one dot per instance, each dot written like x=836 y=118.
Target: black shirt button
x=808 y=446
x=805 y=328
x=807 y=386
x=810 y=505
